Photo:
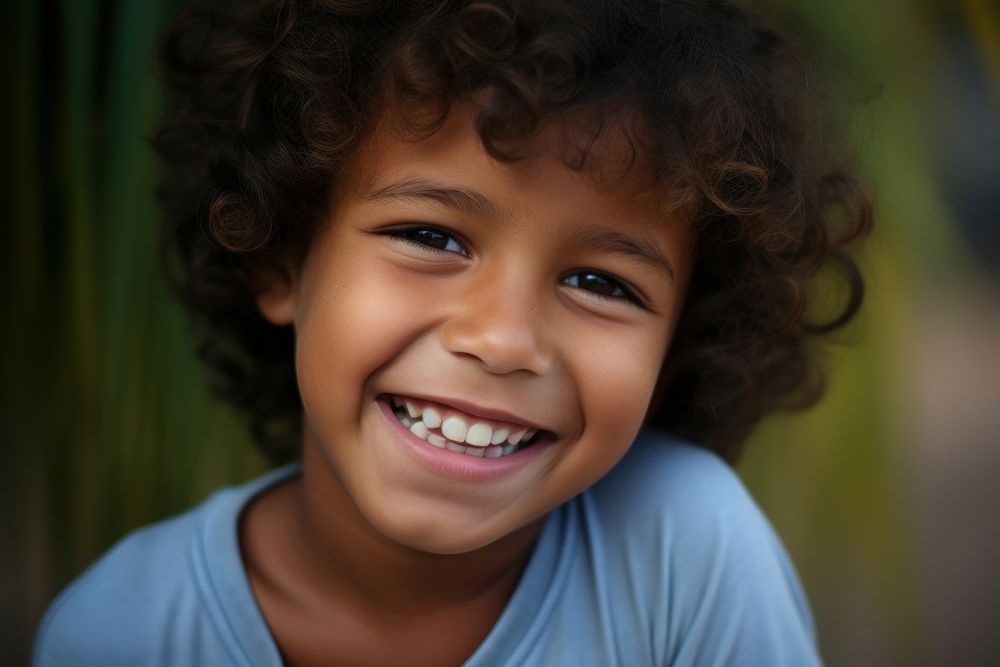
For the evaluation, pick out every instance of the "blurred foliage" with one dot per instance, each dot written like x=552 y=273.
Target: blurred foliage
x=833 y=479
x=109 y=422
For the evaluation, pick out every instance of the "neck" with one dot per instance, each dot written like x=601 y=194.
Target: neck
x=344 y=554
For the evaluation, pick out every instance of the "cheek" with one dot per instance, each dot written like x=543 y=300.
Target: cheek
x=618 y=386
x=614 y=376
x=351 y=322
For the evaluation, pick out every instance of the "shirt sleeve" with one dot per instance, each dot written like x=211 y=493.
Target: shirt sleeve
x=721 y=589
x=741 y=603
x=137 y=605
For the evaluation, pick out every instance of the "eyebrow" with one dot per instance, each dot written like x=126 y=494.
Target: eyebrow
x=614 y=241
x=467 y=201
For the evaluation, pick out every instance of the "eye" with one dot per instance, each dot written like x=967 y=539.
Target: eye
x=428 y=238
x=603 y=287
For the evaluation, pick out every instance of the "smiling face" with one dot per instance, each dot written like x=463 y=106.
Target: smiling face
x=499 y=299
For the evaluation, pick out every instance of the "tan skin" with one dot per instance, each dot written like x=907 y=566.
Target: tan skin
x=376 y=603
x=370 y=558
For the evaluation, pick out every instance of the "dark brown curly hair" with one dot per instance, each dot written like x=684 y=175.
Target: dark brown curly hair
x=274 y=97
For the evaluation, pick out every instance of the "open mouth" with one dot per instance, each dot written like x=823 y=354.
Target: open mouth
x=445 y=427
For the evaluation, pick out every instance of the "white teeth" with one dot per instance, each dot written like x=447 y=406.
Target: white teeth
x=483 y=441
x=432 y=417
x=454 y=429
x=479 y=434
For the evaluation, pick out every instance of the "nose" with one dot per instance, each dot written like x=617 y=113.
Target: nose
x=499 y=321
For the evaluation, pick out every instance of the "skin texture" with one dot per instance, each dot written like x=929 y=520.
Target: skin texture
x=369 y=543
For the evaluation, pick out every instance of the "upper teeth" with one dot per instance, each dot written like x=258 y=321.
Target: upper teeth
x=460 y=428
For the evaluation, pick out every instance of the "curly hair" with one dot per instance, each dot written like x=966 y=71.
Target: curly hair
x=274 y=98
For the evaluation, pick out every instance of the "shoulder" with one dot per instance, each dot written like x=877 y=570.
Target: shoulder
x=683 y=502
x=123 y=598
x=677 y=516
x=173 y=593
x=664 y=479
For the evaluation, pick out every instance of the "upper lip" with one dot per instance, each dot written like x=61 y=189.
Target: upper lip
x=495 y=414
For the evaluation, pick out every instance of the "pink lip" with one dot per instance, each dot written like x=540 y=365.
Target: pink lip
x=460 y=466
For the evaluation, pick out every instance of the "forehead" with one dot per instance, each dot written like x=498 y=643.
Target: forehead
x=560 y=167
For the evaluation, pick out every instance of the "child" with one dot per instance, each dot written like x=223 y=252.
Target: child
x=506 y=235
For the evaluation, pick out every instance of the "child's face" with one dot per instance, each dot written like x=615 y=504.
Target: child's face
x=505 y=323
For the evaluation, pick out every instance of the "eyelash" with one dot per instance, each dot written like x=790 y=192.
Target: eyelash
x=403 y=234
x=627 y=295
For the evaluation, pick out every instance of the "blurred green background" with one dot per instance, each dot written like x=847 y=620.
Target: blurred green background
x=887 y=495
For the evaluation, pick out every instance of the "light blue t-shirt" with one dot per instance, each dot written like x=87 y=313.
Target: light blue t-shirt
x=665 y=561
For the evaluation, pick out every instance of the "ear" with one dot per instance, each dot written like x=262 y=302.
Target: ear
x=276 y=289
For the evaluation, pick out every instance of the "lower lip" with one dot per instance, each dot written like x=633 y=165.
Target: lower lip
x=459 y=466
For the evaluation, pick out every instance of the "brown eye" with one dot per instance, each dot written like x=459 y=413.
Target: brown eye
x=593 y=282
x=429 y=238
x=602 y=286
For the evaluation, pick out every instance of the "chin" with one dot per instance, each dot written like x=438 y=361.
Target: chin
x=436 y=540
x=441 y=535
